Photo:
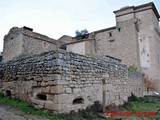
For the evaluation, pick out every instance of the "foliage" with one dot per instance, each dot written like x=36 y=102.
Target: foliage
x=21 y=105
x=85 y=114
x=134 y=104
x=132 y=69
x=83 y=34
x=133 y=98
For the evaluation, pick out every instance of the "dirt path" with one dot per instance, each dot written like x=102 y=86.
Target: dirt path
x=9 y=113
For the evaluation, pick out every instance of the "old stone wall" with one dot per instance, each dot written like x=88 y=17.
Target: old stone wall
x=135 y=40
x=62 y=81
x=12 y=46
x=137 y=80
x=23 y=41
x=149 y=52
x=119 y=42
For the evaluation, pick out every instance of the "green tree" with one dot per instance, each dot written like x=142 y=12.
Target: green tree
x=83 y=34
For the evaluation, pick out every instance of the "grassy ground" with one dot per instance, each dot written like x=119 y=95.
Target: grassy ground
x=135 y=105
x=142 y=109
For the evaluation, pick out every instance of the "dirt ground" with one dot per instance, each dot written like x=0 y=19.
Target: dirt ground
x=9 y=113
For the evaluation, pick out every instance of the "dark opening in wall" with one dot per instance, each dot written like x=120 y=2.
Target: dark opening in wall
x=110 y=34
x=32 y=79
x=111 y=40
x=8 y=93
x=119 y=29
x=63 y=47
x=41 y=97
x=78 y=101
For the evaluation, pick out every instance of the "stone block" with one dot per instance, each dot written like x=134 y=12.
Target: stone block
x=38 y=102
x=40 y=106
x=43 y=83
x=57 y=76
x=50 y=83
x=77 y=90
x=57 y=89
x=60 y=82
x=47 y=89
x=34 y=83
x=68 y=90
x=46 y=78
x=65 y=99
x=49 y=105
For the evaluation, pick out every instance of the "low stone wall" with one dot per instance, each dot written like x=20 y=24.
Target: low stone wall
x=136 y=83
x=61 y=81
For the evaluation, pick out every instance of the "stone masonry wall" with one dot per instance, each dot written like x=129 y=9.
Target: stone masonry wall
x=137 y=80
x=62 y=81
x=21 y=41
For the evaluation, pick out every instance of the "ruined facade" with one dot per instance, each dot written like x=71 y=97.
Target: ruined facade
x=62 y=81
x=35 y=68
x=135 y=40
x=23 y=41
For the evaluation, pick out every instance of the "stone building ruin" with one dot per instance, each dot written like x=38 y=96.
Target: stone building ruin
x=23 y=41
x=62 y=81
x=135 y=40
x=37 y=69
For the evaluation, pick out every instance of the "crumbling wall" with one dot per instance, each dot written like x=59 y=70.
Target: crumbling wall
x=62 y=81
x=12 y=46
x=23 y=41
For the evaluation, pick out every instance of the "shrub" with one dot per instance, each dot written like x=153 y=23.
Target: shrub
x=132 y=69
x=83 y=34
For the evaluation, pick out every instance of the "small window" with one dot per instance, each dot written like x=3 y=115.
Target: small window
x=141 y=40
x=78 y=101
x=147 y=55
x=8 y=93
x=64 y=47
x=41 y=97
x=110 y=34
x=119 y=29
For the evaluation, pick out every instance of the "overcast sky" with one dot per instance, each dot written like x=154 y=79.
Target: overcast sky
x=55 y=18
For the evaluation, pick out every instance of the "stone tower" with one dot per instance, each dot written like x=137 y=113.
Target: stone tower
x=142 y=22
x=135 y=39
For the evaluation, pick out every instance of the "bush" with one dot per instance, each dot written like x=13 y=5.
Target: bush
x=133 y=98
x=83 y=34
x=89 y=113
x=132 y=69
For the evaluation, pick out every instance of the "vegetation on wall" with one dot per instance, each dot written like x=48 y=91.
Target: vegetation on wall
x=83 y=34
x=132 y=69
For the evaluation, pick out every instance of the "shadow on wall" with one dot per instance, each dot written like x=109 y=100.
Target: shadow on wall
x=1 y=53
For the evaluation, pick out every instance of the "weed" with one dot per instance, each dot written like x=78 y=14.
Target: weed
x=132 y=69
x=134 y=104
